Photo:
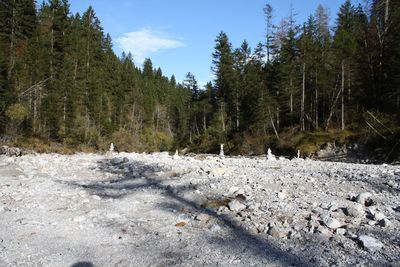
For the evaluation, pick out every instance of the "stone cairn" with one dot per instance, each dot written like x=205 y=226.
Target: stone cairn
x=221 y=152
x=270 y=156
x=110 y=152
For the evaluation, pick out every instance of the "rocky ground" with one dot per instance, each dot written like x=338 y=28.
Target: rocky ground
x=159 y=210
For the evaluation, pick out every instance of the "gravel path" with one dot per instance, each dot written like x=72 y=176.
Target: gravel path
x=158 y=210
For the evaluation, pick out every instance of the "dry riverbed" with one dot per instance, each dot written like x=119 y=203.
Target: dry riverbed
x=159 y=210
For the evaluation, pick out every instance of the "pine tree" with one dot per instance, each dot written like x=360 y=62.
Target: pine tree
x=225 y=79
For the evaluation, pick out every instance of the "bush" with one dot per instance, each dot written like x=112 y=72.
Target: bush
x=16 y=113
x=123 y=141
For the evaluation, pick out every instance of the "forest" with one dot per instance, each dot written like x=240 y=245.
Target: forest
x=63 y=87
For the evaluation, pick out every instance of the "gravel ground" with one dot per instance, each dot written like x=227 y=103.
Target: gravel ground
x=159 y=210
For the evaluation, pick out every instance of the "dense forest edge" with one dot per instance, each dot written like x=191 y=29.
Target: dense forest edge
x=63 y=89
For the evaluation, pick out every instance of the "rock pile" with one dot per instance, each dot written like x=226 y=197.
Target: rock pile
x=204 y=208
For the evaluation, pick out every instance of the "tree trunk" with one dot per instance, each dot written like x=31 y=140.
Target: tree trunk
x=342 y=92
x=237 y=111
x=52 y=44
x=272 y=123
x=349 y=83
x=12 y=41
x=303 y=98
x=204 y=119
x=387 y=13
x=291 y=95
x=316 y=100
x=277 y=118
x=222 y=117
x=333 y=105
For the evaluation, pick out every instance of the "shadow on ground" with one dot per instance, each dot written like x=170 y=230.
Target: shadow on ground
x=82 y=264
x=130 y=177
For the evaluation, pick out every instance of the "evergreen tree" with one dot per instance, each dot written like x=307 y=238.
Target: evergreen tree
x=223 y=63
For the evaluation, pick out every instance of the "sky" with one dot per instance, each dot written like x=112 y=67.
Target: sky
x=179 y=35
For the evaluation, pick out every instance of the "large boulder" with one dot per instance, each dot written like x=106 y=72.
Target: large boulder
x=10 y=151
x=369 y=243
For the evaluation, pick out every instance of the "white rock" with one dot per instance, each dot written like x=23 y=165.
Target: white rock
x=331 y=222
x=333 y=206
x=370 y=243
x=235 y=205
x=355 y=210
x=215 y=228
x=218 y=171
x=202 y=217
x=282 y=195
x=112 y=216
x=363 y=197
x=232 y=190
x=340 y=231
x=79 y=219
x=96 y=197
x=378 y=216
x=323 y=231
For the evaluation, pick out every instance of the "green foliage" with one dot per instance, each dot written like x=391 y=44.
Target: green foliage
x=61 y=81
x=17 y=113
x=125 y=141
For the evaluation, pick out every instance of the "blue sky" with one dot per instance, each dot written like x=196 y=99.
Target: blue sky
x=179 y=35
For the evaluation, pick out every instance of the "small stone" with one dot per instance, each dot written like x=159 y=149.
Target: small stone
x=333 y=206
x=378 y=216
x=331 y=222
x=235 y=205
x=215 y=228
x=202 y=217
x=233 y=190
x=364 y=198
x=113 y=216
x=369 y=243
x=79 y=219
x=117 y=161
x=385 y=223
x=218 y=171
x=96 y=197
x=254 y=206
x=323 y=231
x=340 y=231
x=275 y=232
x=181 y=224
x=355 y=210
x=282 y=195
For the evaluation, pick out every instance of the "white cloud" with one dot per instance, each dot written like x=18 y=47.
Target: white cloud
x=145 y=42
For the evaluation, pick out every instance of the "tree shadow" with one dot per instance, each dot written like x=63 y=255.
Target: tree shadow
x=378 y=185
x=82 y=264
x=139 y=176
